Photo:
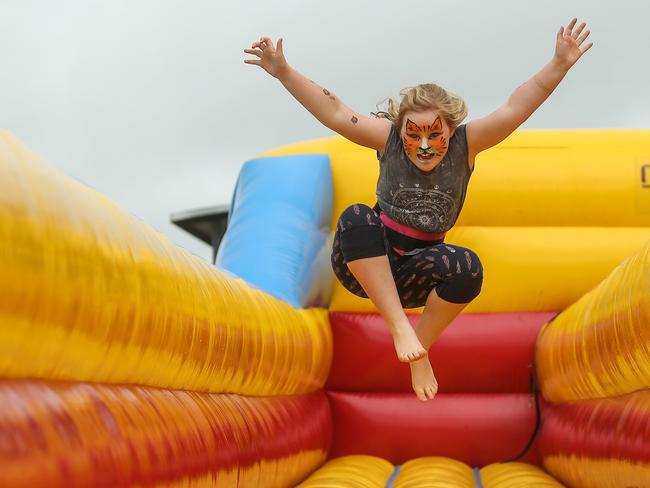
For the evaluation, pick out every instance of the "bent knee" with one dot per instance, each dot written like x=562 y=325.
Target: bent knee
x=460 y=290
x=465 y=281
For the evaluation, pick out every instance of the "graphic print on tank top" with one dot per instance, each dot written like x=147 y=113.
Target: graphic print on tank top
x=429 y=208
x=427 y=201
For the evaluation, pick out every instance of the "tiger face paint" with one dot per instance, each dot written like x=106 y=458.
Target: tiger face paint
x=425 y=137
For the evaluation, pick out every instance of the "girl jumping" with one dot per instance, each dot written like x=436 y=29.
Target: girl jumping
x=394 y=252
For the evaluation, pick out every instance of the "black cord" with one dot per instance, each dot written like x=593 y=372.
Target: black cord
x=534 y=392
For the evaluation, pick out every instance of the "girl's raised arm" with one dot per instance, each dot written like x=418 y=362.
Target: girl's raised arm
x=488 y=131
x=323 y=104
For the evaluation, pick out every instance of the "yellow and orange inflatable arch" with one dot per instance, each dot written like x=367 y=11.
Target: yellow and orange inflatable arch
x=126 y=361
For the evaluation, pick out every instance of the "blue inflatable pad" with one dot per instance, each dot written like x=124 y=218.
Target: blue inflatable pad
x=279 y=232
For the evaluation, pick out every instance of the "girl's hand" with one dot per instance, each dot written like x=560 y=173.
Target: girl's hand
x=568 y=45
x=270 y=58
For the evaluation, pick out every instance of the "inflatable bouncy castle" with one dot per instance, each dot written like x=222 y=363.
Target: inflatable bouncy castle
x=127 y=361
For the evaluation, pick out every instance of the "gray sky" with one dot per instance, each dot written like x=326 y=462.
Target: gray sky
x=149 y=101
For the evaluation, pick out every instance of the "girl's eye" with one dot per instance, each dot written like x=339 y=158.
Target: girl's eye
x=435 y=135
x=415 y=137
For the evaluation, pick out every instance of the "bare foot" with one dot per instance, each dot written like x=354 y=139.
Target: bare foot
x=422 y=379
x=407 y=344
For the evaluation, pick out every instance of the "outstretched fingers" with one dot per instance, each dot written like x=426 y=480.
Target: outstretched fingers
x=258 y=49
x=254 y=52
x=266 y=43
x=582 y=38
x=569 y=28
x=570 y=45
x=577 y=32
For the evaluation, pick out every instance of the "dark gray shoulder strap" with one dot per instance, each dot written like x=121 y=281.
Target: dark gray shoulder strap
x=392 y=142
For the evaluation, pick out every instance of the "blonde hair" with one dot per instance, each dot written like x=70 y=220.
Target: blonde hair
x=423 y=97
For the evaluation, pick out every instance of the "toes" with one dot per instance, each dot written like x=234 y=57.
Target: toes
x=421 y=395
x=419 y=355
x=430 y=392
x=412 y=356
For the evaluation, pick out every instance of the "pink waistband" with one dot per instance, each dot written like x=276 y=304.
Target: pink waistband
x=409 y=231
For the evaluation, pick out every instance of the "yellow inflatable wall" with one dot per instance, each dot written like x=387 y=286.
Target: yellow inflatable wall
x=127 y=361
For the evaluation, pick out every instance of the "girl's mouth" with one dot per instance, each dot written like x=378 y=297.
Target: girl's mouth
x=425 y=157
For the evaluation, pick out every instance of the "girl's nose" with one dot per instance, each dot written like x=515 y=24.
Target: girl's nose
x=424 y=144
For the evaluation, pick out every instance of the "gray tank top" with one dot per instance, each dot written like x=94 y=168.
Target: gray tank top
x=426 y=201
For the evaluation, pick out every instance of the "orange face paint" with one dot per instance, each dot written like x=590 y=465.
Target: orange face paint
x=424 y=143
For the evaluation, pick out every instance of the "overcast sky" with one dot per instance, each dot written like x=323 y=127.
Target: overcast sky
x=149 y=101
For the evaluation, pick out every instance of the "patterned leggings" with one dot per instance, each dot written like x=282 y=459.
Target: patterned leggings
x=455 y=272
